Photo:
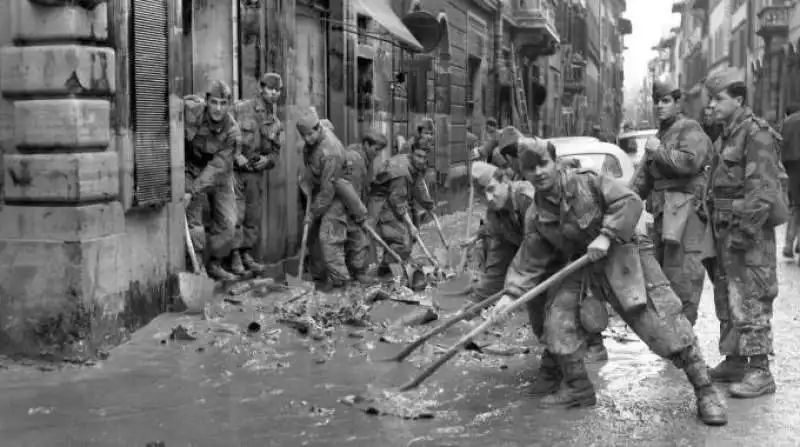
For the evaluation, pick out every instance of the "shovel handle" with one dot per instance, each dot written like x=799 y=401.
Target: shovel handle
x=527 y=296
x=187 y=235
x=463 y=264
x=304 y=240
x=469 y=310
x=439 y=230
x=382 y=243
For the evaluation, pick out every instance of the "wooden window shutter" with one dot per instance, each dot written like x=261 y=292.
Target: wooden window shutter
x=149 y=54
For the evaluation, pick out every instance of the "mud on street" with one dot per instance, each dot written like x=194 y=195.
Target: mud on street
x=256 y=372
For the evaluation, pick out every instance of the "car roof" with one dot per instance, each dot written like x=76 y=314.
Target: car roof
x=581 y=139
x=589 y=147
x=638 y=133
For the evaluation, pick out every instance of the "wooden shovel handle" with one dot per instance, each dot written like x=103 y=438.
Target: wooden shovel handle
x=304 y=240
x=528 y=296
x=187 y=235
x=379 y=240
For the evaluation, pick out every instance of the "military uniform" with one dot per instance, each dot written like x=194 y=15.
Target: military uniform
x=744 y=194
x=262 y=138
x=397 y=186
x=559 y=227
x=210 y=147
x=673 y=183
x=336 y=245
x=503 y=231
x=790 y=155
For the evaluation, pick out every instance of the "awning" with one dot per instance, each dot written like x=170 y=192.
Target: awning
x=381 y=12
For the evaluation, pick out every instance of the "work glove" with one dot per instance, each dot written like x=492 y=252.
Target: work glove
x=598 y=249
x=263 y=162
x=309 y=219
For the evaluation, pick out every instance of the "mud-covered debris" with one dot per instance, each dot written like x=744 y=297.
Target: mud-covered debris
x=417 y=318
x=387 y=403
x=504 y=350
x=233 y=301
x=324 y=316
x=375 y=294
x=180 y=333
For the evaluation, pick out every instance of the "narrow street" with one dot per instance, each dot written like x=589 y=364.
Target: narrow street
x=264 y=384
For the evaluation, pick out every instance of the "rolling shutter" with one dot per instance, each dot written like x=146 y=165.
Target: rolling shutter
x=150 y=102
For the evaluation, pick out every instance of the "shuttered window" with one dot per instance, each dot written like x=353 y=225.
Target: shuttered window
x=150 y=102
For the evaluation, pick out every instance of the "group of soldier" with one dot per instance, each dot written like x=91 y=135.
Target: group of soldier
x=230 y=144
x=714 y=186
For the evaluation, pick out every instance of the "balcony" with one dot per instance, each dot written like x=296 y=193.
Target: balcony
x=534 y=23
x=702 y=5
x=774 y=20
x=575 y=74
x=678 y=5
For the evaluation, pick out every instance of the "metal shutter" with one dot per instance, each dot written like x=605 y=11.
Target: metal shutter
x=150 y=102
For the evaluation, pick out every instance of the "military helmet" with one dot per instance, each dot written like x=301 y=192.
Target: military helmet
x=219 y=89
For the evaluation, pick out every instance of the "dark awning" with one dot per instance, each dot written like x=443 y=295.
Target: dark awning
x=381 y=12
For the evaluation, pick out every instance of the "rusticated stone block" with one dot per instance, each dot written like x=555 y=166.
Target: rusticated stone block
x=70 y=178
x=32 y=22
x=62 y=223
x=56 y=70
x=72 y=123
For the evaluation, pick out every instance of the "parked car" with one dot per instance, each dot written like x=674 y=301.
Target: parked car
x=633 y=143
x=605 y=158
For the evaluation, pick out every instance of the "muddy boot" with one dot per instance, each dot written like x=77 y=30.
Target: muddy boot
x=597 y=351
x=251 y=264
x=548 y=377
x=731 y=369
x=216 y=271
x=711 y=406
x=576 y=391
x=330 y=286
x=237 y=268
x=757 y=381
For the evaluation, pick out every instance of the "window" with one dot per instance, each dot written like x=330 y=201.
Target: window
x=362 y=24
x=149 y=96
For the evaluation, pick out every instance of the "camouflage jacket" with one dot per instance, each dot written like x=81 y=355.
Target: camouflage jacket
x=358 y=170
x=209 y=147
x=746 y=170
x=398 y=181
x=790 y=131
x=679 y=164
x=325 y=164
x=558 y=231
x=262 y=131
x=508 y=224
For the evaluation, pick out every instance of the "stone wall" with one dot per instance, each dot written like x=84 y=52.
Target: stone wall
x=77 y=271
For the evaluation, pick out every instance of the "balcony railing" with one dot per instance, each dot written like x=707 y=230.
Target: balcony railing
x=774 y=19
x=534 y=14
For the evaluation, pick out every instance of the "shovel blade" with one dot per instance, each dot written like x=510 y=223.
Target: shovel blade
x=194 y=291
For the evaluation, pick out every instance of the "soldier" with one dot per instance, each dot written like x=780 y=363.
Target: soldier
x=507 y=202
x=744 y=201
x=500 y=150
x=790 y=155
x=361 y=158
x=398 y=184
x=577 y=212
x=262 y=134
x=212 y=137
x=491 y=128
x=673 y=182
x=425 y=130
x=325 y=161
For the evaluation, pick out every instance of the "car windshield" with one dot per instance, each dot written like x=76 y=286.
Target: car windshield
x=603 y=163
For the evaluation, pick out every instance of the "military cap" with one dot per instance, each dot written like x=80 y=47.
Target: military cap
x=307 y=121
x=219 y=89
x=724 y=78
x=482 y=172
x=531 y=151
x=272 y=80
x=664 y=87
x=326 y=123
x=491 y=122
x=509 y=137
x=426 y=124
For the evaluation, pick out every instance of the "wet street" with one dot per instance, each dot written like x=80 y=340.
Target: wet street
x=242 y=378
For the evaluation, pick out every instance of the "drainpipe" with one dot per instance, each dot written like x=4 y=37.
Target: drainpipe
x=235 y=47
x=498 y=55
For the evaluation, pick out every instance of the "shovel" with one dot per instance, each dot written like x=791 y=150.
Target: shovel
x=461 y=315
x=449 y=255
x=397 y=268
x=194 y=289
x=519 y=302
x=298 y=281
